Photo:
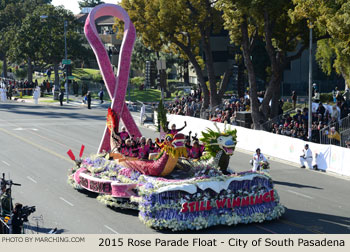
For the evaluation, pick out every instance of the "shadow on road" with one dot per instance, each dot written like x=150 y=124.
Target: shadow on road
x=295 y=185
x=51 y=112
x=41 y=230
x=125 y=211
x=317 y=222
x=88 y=193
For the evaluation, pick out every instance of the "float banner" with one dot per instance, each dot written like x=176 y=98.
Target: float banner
x=97 y=185
x=197 y=206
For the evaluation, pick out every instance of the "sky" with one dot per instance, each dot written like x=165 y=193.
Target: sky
x=73 y=4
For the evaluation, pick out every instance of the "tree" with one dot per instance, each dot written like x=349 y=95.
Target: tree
x=140 y=55
x=12 y=13
x=42 y=39
x=89 y=3
x=183 y=26
x=329 y=17
x=162 y=119
x=248 y=21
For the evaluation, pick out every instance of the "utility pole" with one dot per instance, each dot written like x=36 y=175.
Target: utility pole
x=65 y=57
x=310 y=86
x=161 y=66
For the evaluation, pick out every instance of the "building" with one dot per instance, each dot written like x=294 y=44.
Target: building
x=223 y=57
x=296 y=76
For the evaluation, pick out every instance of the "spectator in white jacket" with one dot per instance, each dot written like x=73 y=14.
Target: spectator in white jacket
x=335 y=113
x=306 y=157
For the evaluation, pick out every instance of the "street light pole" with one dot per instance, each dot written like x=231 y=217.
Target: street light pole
x=161 y=66
x=310 y=86
x=65 y=53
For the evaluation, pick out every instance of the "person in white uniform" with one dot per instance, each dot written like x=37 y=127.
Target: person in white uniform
x=142 y=113
x=3 y=94
x=1 y=90
x=36 y=95
x=257 y=158
x=306 y=157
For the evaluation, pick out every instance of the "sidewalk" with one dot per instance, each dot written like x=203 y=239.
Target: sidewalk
x=77 y=102
x=73 y=101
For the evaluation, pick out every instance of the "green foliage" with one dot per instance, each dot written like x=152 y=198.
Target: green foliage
x=97 y=77
x=12 y=14
x=140 y=55
x=272 y=22
x=179 y=93
x=89 y=3
x=42 y=39
x=331 y=19
x=326 y=97
x=149 y=95
x=180 y=27
x=21 y=73
x=162 y=119
x=325 y=55
x=137 y=81
x=287 y=106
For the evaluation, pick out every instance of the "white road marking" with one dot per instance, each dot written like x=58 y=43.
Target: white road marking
x=66 y=201
x=6 y=163
x=266 y=229
x=300 y=194
x=336 y=223
x=31 y=179
x=26 y=129
x=111 y=229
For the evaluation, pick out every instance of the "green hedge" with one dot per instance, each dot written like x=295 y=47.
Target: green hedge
x=21 y=73
x=287 y=106
x=137 y=81
x=326 y=97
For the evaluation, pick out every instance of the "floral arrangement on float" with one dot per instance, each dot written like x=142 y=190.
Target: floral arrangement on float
x=207 y=198
x=169 y=191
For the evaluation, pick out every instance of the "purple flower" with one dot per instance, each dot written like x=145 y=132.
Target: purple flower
x=149 y=186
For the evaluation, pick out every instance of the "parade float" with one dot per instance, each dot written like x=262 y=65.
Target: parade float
x=169 y=190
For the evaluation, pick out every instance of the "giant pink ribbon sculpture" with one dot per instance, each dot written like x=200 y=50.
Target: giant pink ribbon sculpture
x=116 y=86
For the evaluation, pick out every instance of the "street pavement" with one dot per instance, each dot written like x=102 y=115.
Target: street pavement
x=34 y=140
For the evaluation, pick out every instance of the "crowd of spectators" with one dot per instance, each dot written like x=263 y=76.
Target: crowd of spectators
x=293 y=125
x=188 y=105
x=297 y=126
x=323 y=116
x=27 y=88
x=191 y=104
x=24 y=86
